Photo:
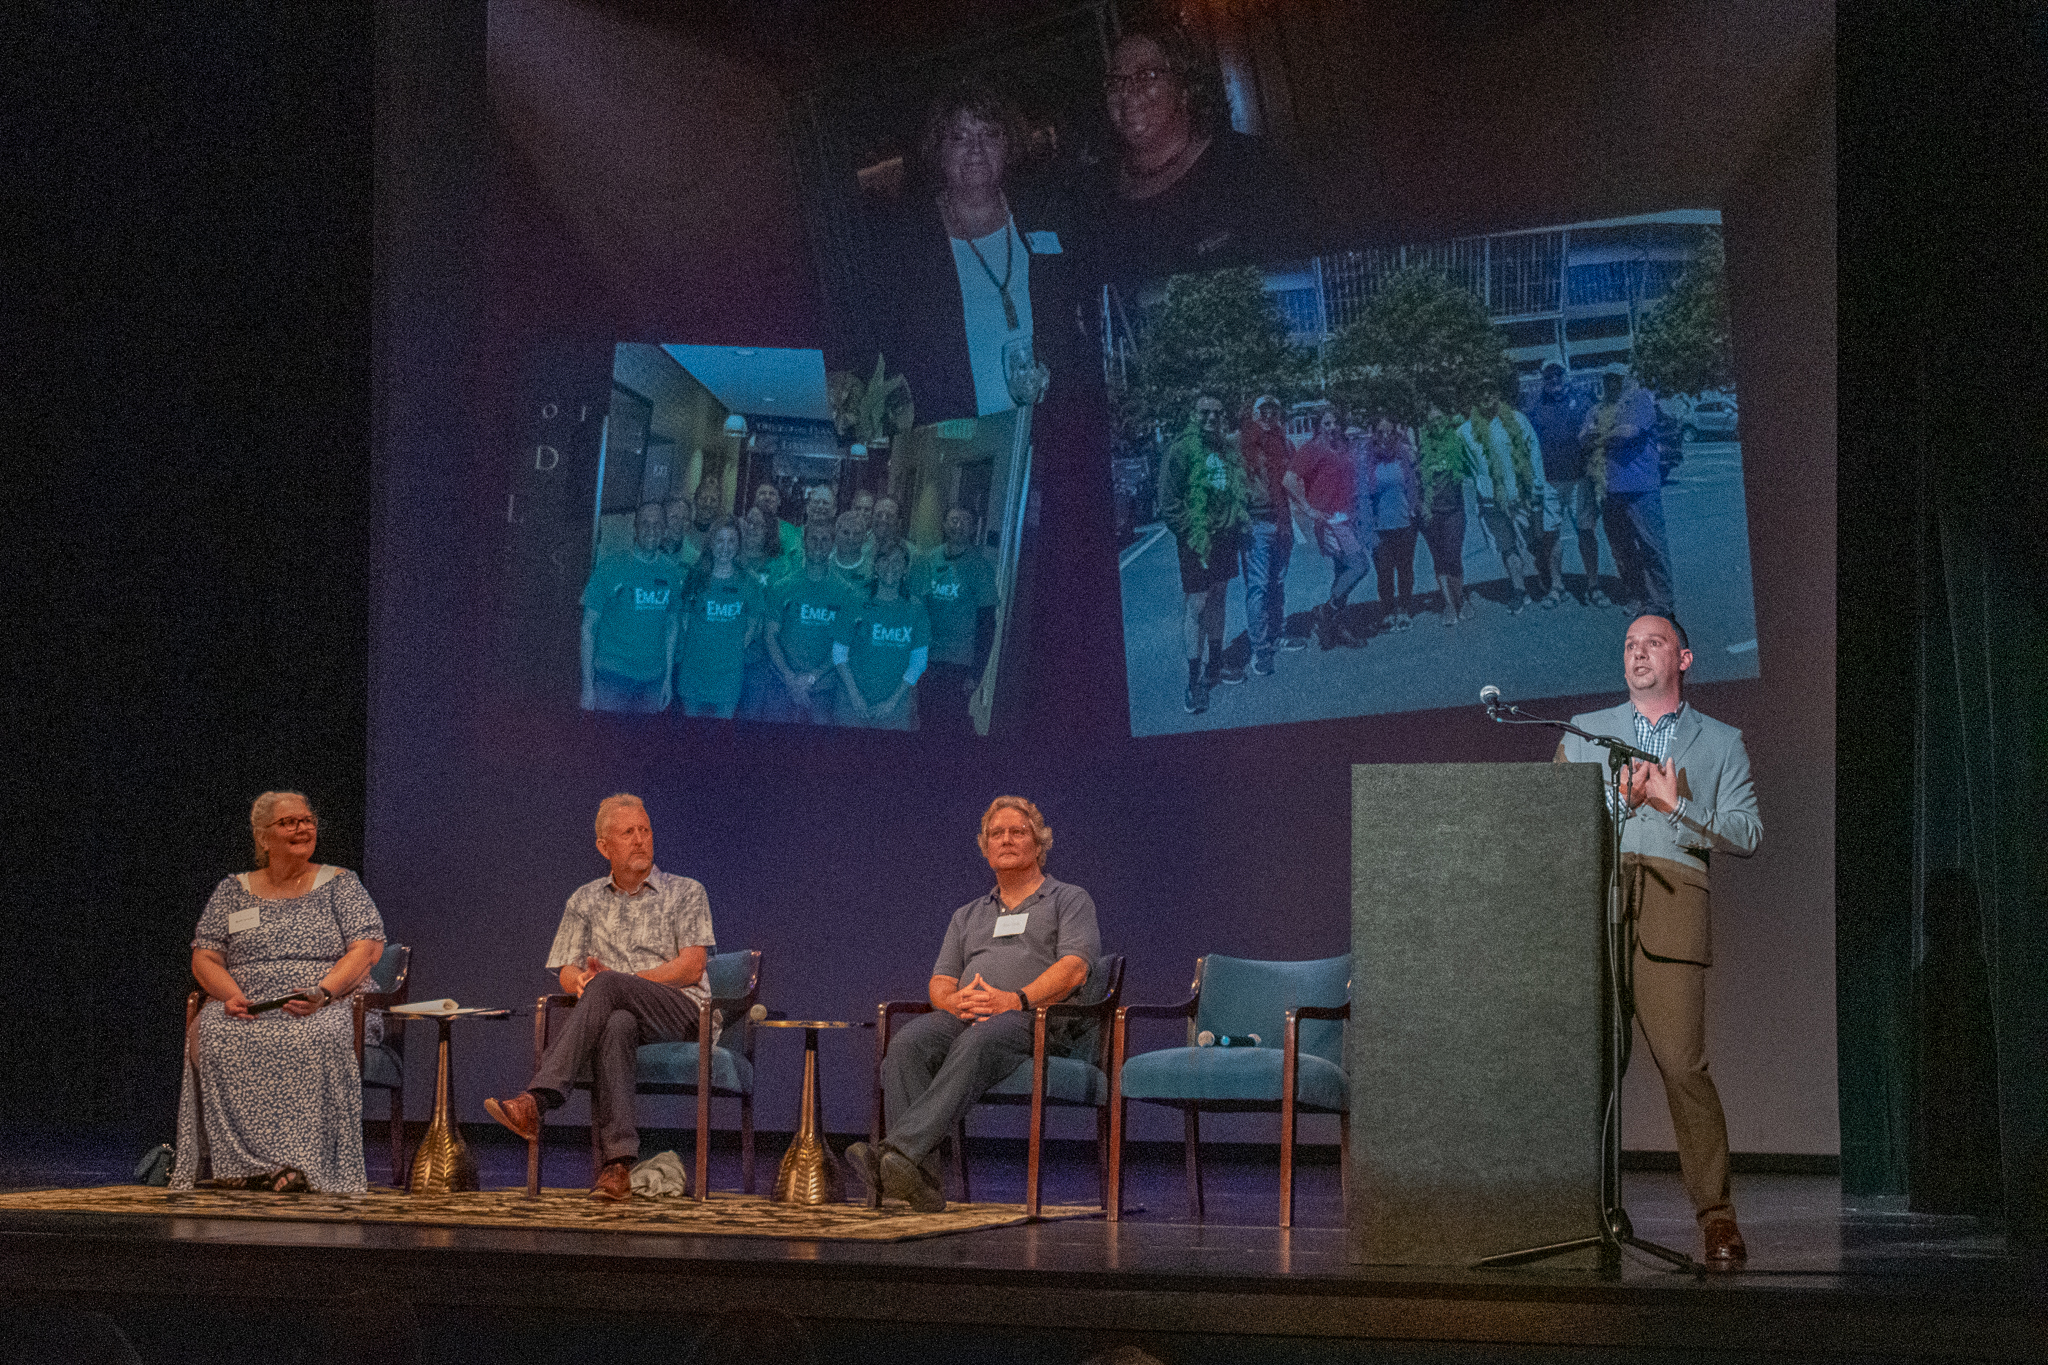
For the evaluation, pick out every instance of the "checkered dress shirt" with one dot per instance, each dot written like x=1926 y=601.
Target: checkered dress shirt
x=1656 y=739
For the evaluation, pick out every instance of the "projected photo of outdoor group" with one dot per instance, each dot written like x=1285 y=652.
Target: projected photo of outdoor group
x=1378 y=480
x=772 y=543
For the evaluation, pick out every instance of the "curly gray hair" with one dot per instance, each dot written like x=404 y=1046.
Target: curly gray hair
x=1041 y=833
x=260 y=812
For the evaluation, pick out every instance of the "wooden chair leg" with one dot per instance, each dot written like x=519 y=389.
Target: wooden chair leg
x=1287 y=1126
x=960 y=1161
x=394 y=1134
x=1116 y=1109
x=1192 y=1140
x=702 y=1175
x=1034 y=1173
x=747 y=1143
x=533 y=1164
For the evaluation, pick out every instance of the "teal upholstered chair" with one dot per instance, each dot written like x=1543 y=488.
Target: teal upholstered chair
x=1069 y=1068
x=383 y=1063
x=723 y=1071
x=1297 y=1010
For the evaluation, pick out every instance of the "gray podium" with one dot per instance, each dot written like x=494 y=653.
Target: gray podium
x=1475 y=1046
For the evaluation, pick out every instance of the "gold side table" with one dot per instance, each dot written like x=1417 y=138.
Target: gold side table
x=809 y=1173
x=442 y=1163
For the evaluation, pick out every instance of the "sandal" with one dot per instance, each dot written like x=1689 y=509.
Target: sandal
x=286 y=1180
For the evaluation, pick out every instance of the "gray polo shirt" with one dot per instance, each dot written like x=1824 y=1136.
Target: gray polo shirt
x=1059 y=921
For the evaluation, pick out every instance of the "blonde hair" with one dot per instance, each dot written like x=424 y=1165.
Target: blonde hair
x=1041 y=832
x=614 y=802
x=260 y=811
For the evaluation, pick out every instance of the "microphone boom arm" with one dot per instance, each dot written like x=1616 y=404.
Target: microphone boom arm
x=1618 y=751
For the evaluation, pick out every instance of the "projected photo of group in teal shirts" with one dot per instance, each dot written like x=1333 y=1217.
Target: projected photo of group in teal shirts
x=751 y=538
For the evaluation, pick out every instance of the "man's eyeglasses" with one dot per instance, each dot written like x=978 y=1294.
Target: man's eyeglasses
x=1141 y=82
x=291 y=824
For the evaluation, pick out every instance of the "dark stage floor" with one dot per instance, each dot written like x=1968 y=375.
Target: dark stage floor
x=1861 y=1282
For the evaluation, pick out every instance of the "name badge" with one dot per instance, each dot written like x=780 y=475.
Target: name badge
x=1044 y=243
x=241 y=921
x=1009 y=926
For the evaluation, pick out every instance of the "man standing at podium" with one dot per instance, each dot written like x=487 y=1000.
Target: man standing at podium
x=1695 y=802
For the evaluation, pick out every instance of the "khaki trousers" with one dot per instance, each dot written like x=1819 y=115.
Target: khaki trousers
x=1671 y=1006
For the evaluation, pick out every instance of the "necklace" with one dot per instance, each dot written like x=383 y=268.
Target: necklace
x=1142 y=182
x=1009 y=266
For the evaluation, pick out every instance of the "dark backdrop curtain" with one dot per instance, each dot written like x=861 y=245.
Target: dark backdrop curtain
x=1942 y=881
x=1979 y=1045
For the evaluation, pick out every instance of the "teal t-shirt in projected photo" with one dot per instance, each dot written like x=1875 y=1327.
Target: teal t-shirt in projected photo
x=715 y=621
x=634 y=599
x=812 y=616
x=954 y=592
x=879 y=643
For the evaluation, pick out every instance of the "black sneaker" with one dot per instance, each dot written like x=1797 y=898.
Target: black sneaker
x=1262 y=665
x=903 y=1179
x=1197 y=699
x=1291 y=643
x=1519 y=605
x=866 y=1167
x=1231 y=675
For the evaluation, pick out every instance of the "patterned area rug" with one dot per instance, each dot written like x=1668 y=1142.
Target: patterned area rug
x=725 y=1215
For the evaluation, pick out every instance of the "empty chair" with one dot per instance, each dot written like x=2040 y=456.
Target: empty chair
x=1296 y=1010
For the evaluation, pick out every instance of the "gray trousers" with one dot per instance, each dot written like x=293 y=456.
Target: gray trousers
x=617 y=1013
x=937 y=1066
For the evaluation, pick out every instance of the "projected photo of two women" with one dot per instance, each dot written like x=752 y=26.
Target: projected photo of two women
x=1340 y=481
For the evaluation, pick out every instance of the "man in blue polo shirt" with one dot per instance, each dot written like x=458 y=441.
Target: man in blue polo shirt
x=1029 y=942
x=1626 y=424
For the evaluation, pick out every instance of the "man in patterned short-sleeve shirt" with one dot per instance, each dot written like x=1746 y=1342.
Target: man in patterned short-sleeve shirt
x=631 y=948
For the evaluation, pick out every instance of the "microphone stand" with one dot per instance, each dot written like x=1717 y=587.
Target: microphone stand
x=1616 y=1231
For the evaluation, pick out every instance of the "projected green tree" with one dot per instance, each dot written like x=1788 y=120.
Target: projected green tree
x=1220 y=333
x=1682 y=346
x=1423 y=340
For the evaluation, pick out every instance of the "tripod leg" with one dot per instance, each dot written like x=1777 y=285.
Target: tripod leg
x=1664 y=1253
x=1544 y=1253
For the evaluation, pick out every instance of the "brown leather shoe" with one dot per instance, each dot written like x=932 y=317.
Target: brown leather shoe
x=1725 y=1250
x=614 y=1182
x=521 y=1114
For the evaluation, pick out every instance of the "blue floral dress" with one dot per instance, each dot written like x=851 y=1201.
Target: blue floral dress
x=276 y=1090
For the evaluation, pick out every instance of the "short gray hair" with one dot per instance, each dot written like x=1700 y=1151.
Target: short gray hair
x=614 y=802
x=260 y=811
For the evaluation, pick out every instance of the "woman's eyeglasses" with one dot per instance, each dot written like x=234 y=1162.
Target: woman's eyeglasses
x=292 y=824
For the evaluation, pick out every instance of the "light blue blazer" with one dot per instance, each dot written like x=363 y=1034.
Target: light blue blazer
x=1674 y=917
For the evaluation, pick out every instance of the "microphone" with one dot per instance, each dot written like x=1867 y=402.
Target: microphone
x=1208 y=1039
x=1489 y=697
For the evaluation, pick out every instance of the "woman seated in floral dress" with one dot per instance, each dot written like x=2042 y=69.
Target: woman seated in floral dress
x=273 y=1100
